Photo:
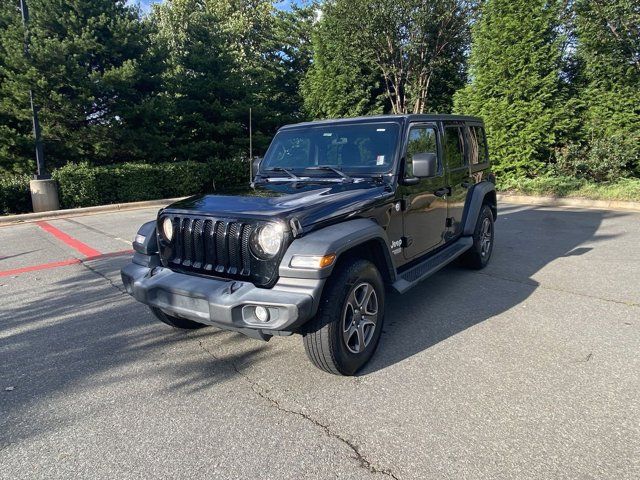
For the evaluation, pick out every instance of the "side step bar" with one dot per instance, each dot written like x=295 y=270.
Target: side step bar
x=432 y=264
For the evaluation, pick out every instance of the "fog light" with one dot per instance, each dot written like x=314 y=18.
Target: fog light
x=262 y=314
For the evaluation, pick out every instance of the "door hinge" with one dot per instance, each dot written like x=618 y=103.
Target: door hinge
x=449 y=222
x=406 y=241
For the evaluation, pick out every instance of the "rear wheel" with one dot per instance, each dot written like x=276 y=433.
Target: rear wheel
x=479 y=254
x=175 y=322
x=346 y=330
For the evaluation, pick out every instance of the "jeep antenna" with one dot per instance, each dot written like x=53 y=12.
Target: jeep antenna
x=250 y=150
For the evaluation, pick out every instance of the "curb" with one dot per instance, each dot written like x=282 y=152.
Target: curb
x=74 y=212
x=569 y=202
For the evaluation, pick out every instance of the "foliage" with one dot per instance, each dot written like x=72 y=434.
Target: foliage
x=604 y=159
x=91 y=74
x=515 y=68
x=608 y=33
x=625 y=189
x=411 y=51
x=83 y=185
x=340 y=81
x=224 y=57
x=15 y=195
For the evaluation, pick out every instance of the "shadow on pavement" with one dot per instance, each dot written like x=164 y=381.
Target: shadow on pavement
x=527 y=239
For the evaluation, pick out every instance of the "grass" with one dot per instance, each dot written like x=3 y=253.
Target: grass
x=625 y=189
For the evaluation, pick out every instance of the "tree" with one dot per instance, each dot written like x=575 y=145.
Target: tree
x=340 y=82
x=411 y=48
x=608 y=48
x=224 y=57
x=91 y=76
x=515 y=70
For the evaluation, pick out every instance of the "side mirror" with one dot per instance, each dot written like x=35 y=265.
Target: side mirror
x=255 y=165
x=425 y=165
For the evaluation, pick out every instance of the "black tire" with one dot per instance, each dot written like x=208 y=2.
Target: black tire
x=176 y=322
x=478 y=256
x=330 y=346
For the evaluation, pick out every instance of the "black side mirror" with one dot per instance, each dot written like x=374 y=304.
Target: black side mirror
x=255 y=165
x=425 y=165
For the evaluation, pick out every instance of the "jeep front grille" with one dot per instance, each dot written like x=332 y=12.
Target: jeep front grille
x=210 y=246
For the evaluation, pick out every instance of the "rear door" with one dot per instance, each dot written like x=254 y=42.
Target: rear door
x=425 y=204
x=457 y=172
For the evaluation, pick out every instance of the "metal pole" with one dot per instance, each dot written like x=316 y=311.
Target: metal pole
x=41 y=172
x=250 y=149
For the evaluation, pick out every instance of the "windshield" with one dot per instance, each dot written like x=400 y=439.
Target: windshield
x=355 y=148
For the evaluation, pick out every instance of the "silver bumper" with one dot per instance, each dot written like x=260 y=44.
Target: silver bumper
x=224 y=303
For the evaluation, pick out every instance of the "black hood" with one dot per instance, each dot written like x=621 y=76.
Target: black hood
x=310 y=203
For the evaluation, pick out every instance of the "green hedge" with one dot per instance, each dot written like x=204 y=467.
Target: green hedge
x=84 y=185
x=15 y=196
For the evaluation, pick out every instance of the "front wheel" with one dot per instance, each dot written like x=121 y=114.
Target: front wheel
x=479 y=254
x=346 y=330
x=175 y=322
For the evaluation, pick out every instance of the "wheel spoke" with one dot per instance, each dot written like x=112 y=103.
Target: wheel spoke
x=361 y=342
x=361 y=294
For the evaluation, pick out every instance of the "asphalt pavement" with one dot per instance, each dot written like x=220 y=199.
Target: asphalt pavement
x=527 y=369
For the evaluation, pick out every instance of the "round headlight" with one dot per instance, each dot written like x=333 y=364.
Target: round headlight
x=270 y=239
x=167 y=229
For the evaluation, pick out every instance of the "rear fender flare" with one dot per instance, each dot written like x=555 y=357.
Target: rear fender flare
x=474 y=205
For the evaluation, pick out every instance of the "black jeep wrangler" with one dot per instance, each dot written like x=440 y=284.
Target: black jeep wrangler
x=338 y=211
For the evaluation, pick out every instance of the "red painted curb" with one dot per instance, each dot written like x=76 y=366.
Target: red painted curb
x=77 y=245
x=63 y=263
x=42 y=266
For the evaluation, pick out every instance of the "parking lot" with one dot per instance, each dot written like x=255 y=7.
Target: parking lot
x=529 y=368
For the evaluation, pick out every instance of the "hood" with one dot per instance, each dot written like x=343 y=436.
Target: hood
x=308 y=202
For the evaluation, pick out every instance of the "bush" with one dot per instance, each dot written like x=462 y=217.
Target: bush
x=15 y=195
x=603 y=160
x=83 y=185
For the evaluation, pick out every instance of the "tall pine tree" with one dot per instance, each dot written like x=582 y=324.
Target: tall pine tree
x=515 y=71
x=608 y=48
x=91 y=77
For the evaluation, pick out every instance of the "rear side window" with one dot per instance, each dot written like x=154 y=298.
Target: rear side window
x=478 y=152
x=453 y=147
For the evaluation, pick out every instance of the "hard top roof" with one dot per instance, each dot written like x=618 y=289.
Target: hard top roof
x=424 y=117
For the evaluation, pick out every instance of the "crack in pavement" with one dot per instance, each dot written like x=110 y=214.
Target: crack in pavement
x=533 y=283
x=363 y=462
x=103 y=276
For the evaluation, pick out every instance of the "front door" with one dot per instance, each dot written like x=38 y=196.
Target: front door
x=425 y=204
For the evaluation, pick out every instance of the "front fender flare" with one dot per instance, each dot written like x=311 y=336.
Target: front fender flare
x=336 y=239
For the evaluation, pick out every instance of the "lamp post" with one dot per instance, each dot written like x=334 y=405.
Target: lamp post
x=44 y=191
x=41 y=173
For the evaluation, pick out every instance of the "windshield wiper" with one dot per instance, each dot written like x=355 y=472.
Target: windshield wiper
x=329 y=168
x=285 y=170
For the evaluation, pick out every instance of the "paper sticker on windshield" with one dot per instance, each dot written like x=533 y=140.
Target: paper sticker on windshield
x=381 y=130
x=380 y=160
x=327 y=134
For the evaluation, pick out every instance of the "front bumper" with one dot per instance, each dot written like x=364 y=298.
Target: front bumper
x=225 y=303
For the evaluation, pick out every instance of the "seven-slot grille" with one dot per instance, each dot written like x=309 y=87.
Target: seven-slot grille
x=211 y=246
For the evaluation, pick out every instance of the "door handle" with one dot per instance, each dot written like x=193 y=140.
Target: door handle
x=441 y=192
x=466 y=184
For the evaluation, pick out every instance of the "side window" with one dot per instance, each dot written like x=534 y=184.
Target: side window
x=483 y=151
x=472 y=144
x=453 y=147
x=421 y=140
